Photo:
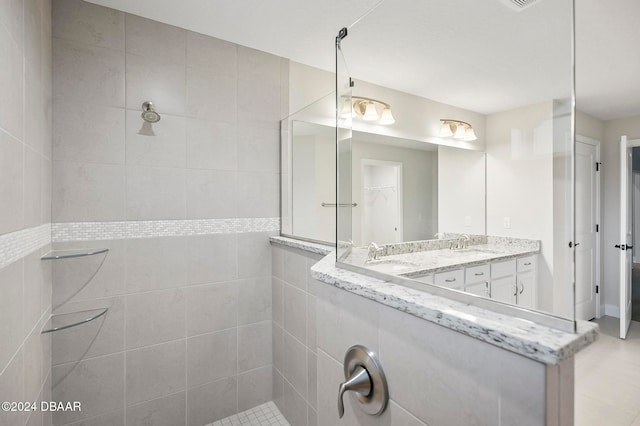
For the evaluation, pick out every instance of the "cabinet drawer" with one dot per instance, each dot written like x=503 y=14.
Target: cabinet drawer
x=450 y=279
x=503 y=269
x=476 y=274
x=526 y=263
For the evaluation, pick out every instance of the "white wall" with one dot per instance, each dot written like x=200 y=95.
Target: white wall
x=613 y=130
x=520 y=183
x=461 y=195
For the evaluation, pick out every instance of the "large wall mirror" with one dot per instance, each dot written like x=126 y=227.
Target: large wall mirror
x=505 y=184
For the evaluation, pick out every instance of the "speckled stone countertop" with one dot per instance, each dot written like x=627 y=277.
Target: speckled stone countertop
x=419 y=258
x=538 y=342
x=303 y=245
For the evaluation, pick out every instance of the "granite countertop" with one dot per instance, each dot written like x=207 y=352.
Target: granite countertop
x=419 y=263
x=541 y=343
x=527 y=338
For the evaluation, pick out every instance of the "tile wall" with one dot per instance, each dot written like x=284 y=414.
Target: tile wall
x=186 y=214
x=25 y=194
x=436 y=376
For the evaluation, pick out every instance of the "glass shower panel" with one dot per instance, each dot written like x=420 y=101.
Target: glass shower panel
x=344 y=199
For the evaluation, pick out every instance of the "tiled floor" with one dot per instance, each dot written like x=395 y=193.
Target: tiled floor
x=263 y=415
x=607 y=378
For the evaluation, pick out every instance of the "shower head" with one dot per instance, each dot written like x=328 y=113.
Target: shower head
x=149 y=113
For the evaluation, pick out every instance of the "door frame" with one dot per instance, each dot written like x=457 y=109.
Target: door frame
x=597 y=144
x=629 y=144
x=399 y=169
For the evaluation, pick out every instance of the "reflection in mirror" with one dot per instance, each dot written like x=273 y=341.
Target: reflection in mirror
x=436 y=205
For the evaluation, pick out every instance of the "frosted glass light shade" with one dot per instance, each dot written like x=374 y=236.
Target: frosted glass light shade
x=387 y=118
x=470 y=135
x=461 y=132
x=445 y=130
x=370 y=113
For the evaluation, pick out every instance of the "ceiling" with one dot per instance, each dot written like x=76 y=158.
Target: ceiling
x=478 y=55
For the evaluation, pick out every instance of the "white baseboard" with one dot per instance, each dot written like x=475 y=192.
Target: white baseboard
x=612 y=311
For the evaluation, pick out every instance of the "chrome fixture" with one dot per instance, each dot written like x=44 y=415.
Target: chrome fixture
x=369 y=110
x=457 y=129
x=460 y=243
x=373 y=250
x=149 y=113
x=365 y=377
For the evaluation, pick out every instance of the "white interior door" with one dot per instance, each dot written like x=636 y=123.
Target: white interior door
x=625 y=246
x=381 y=202
x=586 y=221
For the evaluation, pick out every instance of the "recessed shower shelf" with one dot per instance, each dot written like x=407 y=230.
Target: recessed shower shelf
x=73 y=319
x=70 y=254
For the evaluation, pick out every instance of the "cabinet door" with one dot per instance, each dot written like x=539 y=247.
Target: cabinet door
x=504 y=289
x=450 y=279
x=525 y=290
x=479 y=289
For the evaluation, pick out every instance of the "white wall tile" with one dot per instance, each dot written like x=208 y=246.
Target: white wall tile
x=101 y=336
x=211 y=194
x=278 y=390
x=277 y=297
x=155 y=317
x=211 y=258
x=254 y=295
x=211 y=145
x=12 y=389
x=212 y=307
x=78 y=136
x=11 y=16
x=312 y=379
x=254 y=388
x=211 y=96
x=155 y=263
x=145 y=37
x=88 y=74
x=254 y=255
x=277 y=343
x=152 y=78
x=295 y=407
x=295 y=312
x=255 y=64
x=166 y=147
x=143 y=382
x=167 y=411
x=259 y=147
x=261 y=194
x=11 y=85
x=156 y=193
x=89 y=192
x=89 y=277
x=77 y=382
x=254 y=346
x=11 y=183
x=211 y=357
x=211 y=402
x=295 y=364
x=88 y=23
x=33 y=188
x=11 y=323
x=212 y=54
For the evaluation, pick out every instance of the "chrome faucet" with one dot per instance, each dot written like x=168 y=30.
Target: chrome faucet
x=373 y=251
x=460 y=243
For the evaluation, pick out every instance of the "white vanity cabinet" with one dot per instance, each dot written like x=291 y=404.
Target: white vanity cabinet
x=503 y=281
x=526 y=281
x=476 y=280
x=451 y=279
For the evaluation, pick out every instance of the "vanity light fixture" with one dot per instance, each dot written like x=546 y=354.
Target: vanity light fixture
x=372 y=110
x=457 y=129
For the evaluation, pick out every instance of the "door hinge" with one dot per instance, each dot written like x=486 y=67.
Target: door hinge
x=598 y=166
x=597 y=228
x=351 y=82
x=597 y=289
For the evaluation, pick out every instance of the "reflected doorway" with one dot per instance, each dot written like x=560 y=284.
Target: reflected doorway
x=382 y=201
x=635 y=276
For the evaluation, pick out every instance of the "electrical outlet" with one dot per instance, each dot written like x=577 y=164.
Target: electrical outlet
x=467 y=221
x=507 y=222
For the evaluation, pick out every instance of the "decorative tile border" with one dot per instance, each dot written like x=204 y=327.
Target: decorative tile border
x=88 y=231
x=16 y=245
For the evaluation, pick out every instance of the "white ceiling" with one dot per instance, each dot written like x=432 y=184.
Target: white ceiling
x=477 y=55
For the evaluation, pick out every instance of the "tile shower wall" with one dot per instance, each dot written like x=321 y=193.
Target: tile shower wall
x=25 y=193
x=187 y=338
x=436 y=376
